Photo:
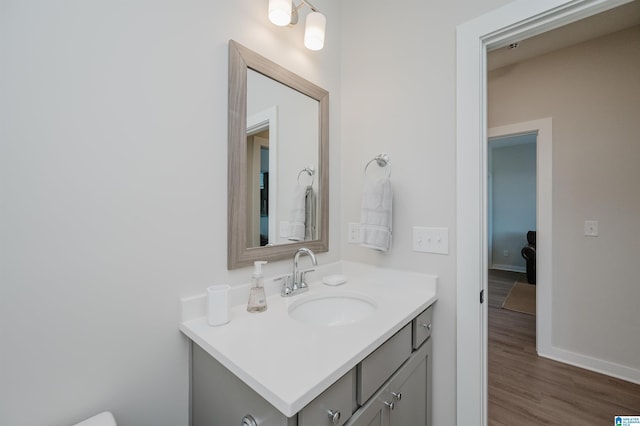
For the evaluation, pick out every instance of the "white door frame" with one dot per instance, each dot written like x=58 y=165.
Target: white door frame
x=268 y=120
x=515 y=21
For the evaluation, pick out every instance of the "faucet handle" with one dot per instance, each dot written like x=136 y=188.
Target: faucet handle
x=286 y=285
x=303 y=274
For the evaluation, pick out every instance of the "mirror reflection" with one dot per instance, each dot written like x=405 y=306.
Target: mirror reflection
x=283 y=138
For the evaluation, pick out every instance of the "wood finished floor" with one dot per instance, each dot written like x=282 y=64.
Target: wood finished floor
x=525 y=389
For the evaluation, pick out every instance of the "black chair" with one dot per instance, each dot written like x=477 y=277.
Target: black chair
x=529 y=254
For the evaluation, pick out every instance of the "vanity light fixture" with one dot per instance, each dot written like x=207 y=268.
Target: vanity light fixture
x=285 y=12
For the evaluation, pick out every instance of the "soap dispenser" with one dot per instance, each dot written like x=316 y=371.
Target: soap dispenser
x=257 y=298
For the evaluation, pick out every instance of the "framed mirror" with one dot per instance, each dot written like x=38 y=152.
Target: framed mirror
x=278 y=171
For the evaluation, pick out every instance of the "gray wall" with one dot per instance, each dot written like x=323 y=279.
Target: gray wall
x=592 y=92
x=513 y=200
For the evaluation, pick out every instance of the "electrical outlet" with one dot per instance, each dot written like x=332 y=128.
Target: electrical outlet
x=505 y=253
x=431 y=240
x=284 y=229
x=590 y=228
x=353 y=233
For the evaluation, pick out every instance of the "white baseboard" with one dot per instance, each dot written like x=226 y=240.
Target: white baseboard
x=510 y=268
x=598 y=365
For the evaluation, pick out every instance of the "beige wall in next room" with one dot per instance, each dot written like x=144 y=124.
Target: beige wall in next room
x=592 y=92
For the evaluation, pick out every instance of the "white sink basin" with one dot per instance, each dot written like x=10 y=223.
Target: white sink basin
x=333 y=309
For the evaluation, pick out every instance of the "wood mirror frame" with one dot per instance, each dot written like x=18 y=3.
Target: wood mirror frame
x=238 y=254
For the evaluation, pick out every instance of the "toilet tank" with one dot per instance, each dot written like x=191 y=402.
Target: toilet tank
x=102 y=419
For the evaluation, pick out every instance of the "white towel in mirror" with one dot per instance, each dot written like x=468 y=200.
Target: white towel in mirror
x=297 y=213
x=310 y=215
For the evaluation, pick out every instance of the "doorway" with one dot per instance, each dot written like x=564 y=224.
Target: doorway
x=512 y=210
x=512 y=199
x=495 y=29
x=542 y=129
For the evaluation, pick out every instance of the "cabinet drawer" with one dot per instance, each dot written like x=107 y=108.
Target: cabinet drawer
x=422 y=327
x=375 y=369
x=337 y=399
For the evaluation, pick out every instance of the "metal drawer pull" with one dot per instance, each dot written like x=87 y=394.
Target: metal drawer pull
x=427 y=326
x=248 y=420
x=391 y=405
x=397 y=395
x=334 y=416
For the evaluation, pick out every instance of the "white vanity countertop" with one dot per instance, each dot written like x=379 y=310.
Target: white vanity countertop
x=289 y=362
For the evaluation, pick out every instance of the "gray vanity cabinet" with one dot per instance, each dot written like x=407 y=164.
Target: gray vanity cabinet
x=331 y=407
x=391 y=387
x=410 y=390
x=373 y=413
x=405 y=399
x=220 y=398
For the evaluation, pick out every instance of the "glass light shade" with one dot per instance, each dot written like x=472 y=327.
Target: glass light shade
x=314 y=31
x=280 y=12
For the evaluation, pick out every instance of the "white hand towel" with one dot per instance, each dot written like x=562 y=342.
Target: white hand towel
x=376 y=214
x=297 y=213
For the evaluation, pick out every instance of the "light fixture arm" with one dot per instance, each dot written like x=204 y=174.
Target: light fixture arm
x=294 y=11
x=309 y=5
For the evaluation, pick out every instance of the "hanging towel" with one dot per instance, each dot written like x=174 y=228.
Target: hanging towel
x=297 y=213
x=310 y=214
x=376 y=217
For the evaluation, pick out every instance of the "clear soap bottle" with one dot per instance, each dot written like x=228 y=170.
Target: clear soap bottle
x=257 y=297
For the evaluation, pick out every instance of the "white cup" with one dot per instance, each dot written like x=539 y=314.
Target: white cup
x=218 y=304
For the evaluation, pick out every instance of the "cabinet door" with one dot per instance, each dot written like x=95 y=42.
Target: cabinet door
x=410 y=390
x=373 y=413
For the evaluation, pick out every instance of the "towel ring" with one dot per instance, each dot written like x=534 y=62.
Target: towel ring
x=310 y=170
x=382 y=160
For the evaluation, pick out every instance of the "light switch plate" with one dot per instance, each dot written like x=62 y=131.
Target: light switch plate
x=353 y=233
x=431 y=240
x=590 y=228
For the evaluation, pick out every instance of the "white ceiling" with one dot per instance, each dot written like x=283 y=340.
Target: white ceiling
x=599 y=25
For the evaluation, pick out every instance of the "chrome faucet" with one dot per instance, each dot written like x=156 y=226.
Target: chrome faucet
x=295 y=283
